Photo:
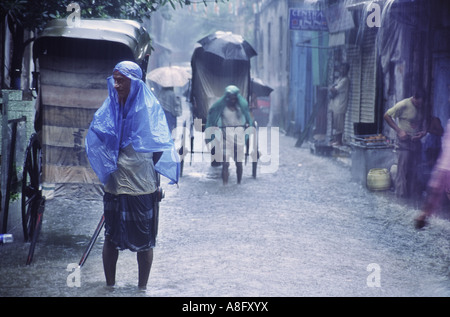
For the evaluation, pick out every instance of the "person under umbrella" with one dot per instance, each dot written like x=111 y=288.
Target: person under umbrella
x=228 y=45
x=166 y=79
x=171 y=105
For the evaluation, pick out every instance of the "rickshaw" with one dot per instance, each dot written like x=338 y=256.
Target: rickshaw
x=222 y=59
x=72 y=63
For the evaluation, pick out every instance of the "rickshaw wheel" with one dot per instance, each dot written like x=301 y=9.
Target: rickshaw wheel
x=31 y=192
x=181 y=154
x=36 y=229
x=255 y=164
x=182 y=149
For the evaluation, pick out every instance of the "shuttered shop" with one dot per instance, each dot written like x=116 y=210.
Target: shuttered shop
x=368 y=75
x=362 y=99
x=354 y=107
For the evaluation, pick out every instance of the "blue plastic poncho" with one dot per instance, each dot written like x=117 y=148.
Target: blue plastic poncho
x=140 y=122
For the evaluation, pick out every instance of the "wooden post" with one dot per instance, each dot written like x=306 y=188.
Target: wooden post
x=4 y=166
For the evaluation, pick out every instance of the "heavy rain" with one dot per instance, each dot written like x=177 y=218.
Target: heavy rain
x=318 y=209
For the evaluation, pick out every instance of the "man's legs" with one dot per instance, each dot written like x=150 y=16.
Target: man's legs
x=401 y=183
x=337 y=139
x=407 y=182
x=239 y=170
x=110 y=256
x=145 y=260
x=171 y=120
x=401 y=180
x=338 y=126
x=239 y=155
x=415 y=186
x=225 y=174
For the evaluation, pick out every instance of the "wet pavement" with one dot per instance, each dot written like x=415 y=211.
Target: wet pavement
x=306 y=229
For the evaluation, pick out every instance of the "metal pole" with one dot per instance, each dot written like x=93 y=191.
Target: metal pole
x=92 y=242
x=12 y=154
x=4 y=162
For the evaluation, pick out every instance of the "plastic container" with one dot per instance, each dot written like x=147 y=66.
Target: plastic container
x=6 y=238
x=378 y=179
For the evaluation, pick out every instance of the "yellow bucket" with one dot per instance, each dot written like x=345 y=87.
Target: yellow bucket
x=378 y=179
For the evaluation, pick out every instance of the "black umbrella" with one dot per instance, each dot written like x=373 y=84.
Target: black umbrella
x=259 y=88
x=228 y=46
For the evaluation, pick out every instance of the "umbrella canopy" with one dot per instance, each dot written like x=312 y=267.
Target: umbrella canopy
x=170 y=76
x=228 y=46
x=259 y=88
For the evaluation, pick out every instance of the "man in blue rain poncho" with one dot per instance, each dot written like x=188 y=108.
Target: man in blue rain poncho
x=127 y=141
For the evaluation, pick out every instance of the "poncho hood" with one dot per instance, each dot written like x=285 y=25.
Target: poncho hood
x=140 y=122
x=215 y=112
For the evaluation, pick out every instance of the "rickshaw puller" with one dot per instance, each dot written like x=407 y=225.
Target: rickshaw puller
x=232 y=111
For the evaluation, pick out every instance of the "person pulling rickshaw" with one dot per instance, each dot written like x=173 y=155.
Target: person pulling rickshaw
x=230 y=111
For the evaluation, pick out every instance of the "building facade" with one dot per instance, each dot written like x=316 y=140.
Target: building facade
x=271 y=41
x=392 y=46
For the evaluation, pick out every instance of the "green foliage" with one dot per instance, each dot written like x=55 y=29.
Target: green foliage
x=34 y=14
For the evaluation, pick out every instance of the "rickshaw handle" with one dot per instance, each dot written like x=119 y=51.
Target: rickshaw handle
x=92 y=242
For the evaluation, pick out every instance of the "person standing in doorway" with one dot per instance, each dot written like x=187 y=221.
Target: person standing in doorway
x=339 y=102
x=410 y=130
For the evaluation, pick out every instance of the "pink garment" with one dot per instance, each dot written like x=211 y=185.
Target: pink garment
x=443 y=161
x=440 y=177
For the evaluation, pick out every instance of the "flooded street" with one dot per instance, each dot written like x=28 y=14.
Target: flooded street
x=305 y=230
x=373 y=75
